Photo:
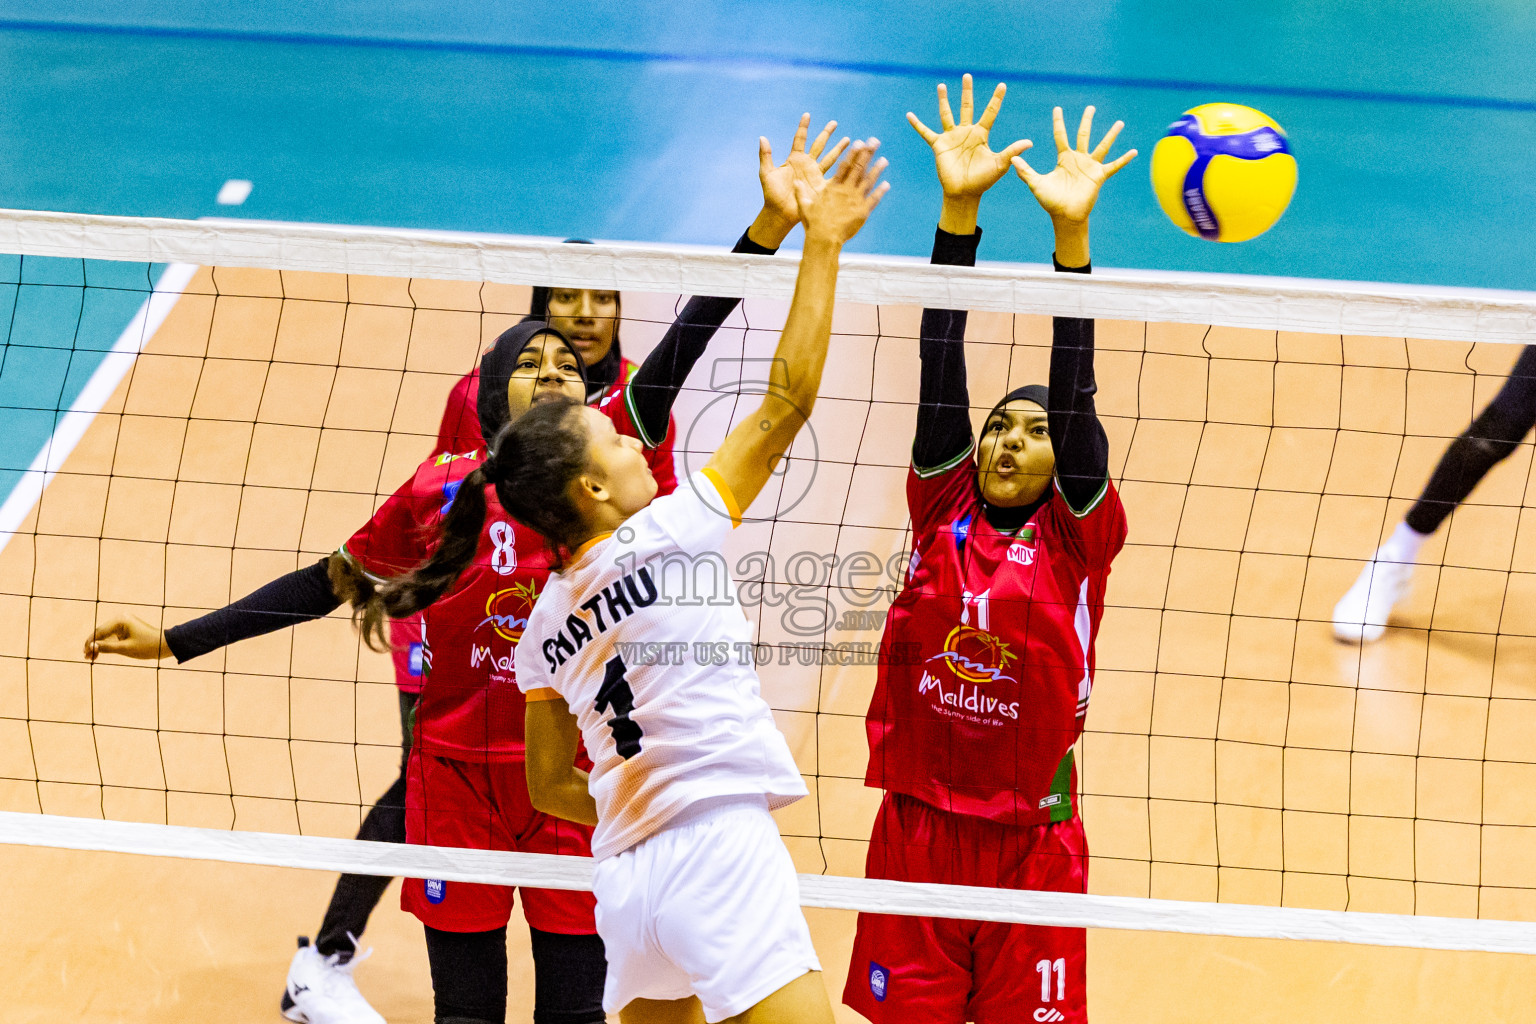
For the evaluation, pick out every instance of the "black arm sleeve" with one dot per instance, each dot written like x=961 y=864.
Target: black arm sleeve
x=943 y=402
x=661 y=376
x=1082 y=448
x=297 y=597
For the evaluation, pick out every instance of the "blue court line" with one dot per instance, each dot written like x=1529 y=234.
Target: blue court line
x=745 y=59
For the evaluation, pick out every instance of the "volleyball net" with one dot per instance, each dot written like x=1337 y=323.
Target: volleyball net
x=195 y=408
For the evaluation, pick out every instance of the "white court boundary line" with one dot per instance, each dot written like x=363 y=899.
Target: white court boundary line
x=1265 y=303
x=1070 y=910
x=97 y=392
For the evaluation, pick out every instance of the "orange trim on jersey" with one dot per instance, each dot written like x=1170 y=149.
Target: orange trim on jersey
x=726 y=494
x=590 y=544
x=541 y=693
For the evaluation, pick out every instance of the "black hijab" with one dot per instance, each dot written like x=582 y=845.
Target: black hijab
x=496 y=372
x=604 y=373
x=1008 y=520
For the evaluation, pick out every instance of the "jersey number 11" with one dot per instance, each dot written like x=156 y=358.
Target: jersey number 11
x=615 y=693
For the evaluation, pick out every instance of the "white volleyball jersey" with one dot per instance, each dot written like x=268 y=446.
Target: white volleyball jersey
x=643 y=637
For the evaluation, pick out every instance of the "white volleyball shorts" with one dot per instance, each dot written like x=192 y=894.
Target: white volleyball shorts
x=708 y=907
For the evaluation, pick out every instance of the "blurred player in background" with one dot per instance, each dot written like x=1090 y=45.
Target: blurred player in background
x=1362 y=613
x=1012 y=540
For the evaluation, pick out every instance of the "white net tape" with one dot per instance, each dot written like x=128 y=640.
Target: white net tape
x=1267 y=304
x=1071 y=910
x=1272 y=304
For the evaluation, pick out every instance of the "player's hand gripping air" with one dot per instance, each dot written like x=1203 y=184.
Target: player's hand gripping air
x=129 y=636
x=966 y=164
x=809 y=166
x=750 y=452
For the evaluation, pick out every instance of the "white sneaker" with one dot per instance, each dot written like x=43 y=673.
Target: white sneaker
x=321 y=990
x=1362 y=613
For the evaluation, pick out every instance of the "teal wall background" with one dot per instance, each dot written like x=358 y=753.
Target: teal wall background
x=1413 y=122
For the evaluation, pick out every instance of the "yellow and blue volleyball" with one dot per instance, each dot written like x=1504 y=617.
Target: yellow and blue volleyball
x=1224 y=172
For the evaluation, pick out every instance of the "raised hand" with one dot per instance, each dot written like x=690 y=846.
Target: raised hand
x=128 y=636
x=808 y=166
x=1071 y=188
x=966 y=164
x=836 y=211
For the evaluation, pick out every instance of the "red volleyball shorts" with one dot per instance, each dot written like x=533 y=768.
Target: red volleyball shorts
x=923 y=970
x=482 y=806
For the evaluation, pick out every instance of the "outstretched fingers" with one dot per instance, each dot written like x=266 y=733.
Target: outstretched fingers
x=1085 y=130
x=764 y=156
x=994 y=105
x=853 y=165
x=1102 y=149
x=927 y=133
x=829 y=158
x=1059 y=130
x=1110 y=169
x=872 y=174
x=872 y=199
x=801 y=131
x=967 y=100
x=946 y=118
x=820 y=141
x=1012 y=152
x=1026 y=172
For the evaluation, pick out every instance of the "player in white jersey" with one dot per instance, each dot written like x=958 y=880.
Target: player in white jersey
x=697 y=900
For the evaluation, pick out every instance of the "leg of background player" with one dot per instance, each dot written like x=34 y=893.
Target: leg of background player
x=469 y=976
x=320 y=989
x=568 y=973
x=1362 y=613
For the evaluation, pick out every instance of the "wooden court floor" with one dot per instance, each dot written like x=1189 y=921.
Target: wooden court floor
x=1234 y=751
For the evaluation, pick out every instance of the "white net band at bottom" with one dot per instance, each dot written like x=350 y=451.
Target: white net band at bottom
x=1009 y=906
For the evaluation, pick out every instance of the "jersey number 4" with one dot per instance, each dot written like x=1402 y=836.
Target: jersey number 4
x=616 y=694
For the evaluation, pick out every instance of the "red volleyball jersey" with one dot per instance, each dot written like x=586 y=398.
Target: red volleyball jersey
x=470 y=706
x=987 y=658
x=460 y=430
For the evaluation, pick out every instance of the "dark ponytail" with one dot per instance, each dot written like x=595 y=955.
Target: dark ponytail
x=532 y=463
x=537 y=458
x=458 y=538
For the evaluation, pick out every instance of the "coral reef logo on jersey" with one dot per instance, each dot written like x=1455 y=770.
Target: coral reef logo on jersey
x=976 y=656
x=507 y=611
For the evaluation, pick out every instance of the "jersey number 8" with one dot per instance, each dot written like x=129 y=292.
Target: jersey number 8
x=615 y=693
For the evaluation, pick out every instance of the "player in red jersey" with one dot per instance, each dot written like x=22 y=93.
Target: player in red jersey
x=590 y=318
x=1012 y=540
x=465 y=784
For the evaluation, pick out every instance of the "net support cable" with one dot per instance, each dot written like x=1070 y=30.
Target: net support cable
x=1263 y=303
x=547 y=871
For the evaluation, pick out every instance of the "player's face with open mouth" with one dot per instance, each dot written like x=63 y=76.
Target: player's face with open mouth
x=1014 y=457
x=589 y=318
x=545 y=370
x=617 y=462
